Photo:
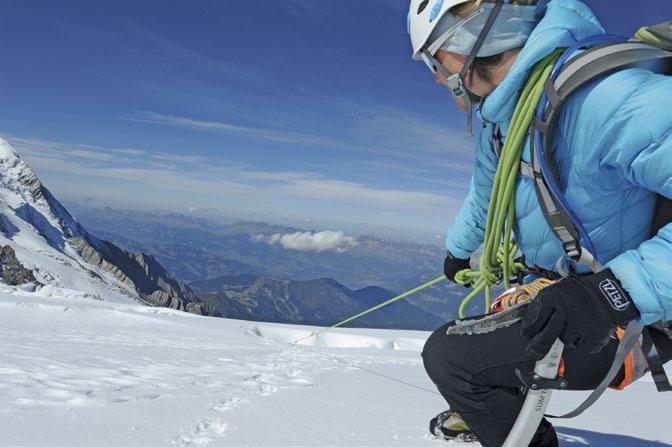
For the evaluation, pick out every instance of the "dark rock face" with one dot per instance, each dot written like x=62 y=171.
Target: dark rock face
x=142 y=273
x=13 y=272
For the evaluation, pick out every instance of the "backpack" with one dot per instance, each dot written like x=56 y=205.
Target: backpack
x=651 y=48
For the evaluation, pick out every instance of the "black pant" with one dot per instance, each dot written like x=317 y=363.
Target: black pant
x=476 y=376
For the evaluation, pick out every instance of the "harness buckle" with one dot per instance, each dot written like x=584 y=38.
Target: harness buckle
x=572 y=249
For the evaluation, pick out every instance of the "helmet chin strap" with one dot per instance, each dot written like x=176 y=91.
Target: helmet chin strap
x=456 y=86
x=456 y=82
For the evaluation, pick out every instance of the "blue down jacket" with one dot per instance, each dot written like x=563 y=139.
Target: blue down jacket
x=613 y=150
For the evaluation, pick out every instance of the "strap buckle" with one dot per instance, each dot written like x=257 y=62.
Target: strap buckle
x=456 y=86
x=572 y=249
x=527 y=170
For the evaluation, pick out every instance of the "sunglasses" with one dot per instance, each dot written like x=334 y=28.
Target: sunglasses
x=453 y=81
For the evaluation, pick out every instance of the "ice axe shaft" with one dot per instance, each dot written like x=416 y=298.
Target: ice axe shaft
x=533 y=410
x=537 y=400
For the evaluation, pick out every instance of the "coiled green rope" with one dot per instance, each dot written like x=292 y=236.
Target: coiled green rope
x=499 y=250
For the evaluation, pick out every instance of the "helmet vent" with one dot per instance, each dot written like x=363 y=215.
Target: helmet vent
x=422 y=6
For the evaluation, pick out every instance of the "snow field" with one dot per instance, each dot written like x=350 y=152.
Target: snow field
x=76 y=372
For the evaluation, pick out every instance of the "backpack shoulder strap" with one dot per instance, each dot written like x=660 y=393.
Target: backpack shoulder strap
x=588 y=66
x=593 y=64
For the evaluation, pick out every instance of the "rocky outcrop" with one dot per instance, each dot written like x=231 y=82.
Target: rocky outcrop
x=13 y=272
x=144 y=275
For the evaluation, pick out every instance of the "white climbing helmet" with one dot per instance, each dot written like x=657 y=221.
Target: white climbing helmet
x=423 y=17
x=470 y=36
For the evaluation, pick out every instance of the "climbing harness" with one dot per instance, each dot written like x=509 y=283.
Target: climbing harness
x=507 y=308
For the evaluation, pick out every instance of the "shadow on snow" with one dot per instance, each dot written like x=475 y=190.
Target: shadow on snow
x=573 y=436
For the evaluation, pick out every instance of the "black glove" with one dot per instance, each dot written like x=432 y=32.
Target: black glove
x=582 y=311
x=452 y=265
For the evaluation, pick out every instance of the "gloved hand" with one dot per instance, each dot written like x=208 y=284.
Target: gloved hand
x=582 y=311
x=452 y=265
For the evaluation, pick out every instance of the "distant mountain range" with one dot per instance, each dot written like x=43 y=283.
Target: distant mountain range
x=213 y=256
x=43 y=244
x=195 y=249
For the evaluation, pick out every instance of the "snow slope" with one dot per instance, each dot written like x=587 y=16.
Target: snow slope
x=37 y=227
x=61 y=253
x=80 y=372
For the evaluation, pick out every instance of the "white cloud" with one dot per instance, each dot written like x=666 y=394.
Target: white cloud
x=357 y=193
x=74 y=151
x=310 y=241
x=82 y=153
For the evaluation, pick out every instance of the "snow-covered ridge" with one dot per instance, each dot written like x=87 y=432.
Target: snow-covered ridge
x=20 y=179
x=61 y=253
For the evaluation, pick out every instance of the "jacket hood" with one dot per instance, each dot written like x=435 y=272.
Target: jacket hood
x=564 y=23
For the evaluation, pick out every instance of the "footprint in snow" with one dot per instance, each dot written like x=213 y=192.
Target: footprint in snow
x=27 y=305
x=264 y=383
x=266 y=389
x=202 y=434
x=228 y=404
x=296 y=377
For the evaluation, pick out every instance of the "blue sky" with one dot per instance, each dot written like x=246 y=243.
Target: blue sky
x=306 y=111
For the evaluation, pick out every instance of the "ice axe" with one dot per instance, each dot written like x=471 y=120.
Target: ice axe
x=544 y=379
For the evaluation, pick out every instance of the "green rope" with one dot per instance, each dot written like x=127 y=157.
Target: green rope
x=374 y=308
x=497 y=262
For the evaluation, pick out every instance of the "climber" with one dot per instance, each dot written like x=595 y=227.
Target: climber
x=613 y=153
